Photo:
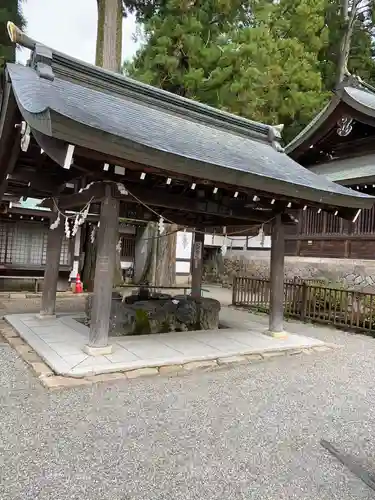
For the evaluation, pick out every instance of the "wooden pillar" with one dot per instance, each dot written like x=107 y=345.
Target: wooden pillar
x=51 y=273
x=197 y=265
x=104 y=275
x=276 y=321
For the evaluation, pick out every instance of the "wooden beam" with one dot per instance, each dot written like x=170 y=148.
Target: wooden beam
x=29 y=212
x=192 y=220
x=41 y=180
x=133 y=168
x=8 y=119
x=163 y=199
x=10 y=145
x=96 y=192
x=166 y=199
x=10 y=162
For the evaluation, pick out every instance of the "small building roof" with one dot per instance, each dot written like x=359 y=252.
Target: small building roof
x=65 y=101
x=353 y=99
x=356 y=170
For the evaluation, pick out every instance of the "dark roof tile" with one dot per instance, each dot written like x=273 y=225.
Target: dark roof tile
x=240 y=160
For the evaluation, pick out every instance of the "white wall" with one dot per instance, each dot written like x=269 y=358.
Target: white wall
x=184 y=241
x=258 y=241
x=183 y=252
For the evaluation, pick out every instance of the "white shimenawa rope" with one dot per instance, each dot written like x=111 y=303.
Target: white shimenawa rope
x=82 y=215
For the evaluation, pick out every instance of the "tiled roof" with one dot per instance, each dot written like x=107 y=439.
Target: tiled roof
x=193 y=144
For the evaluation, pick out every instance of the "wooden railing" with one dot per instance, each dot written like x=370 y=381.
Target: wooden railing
x=313 y=223
x=310 y=302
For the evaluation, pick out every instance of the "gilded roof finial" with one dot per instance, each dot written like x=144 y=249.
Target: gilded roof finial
x=18 y=36
x=12 y=31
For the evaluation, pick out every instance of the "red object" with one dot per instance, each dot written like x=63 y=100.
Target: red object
x=79 y=284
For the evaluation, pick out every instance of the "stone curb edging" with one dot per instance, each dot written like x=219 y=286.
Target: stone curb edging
x=54 y=382
x=30 y=295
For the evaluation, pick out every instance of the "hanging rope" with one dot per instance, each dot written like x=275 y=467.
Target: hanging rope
x=80 y=217
x=186 y=227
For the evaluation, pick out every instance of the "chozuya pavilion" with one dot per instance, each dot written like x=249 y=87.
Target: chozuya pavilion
x=132 y=147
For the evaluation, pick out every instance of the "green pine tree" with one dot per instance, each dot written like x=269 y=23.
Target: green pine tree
x=234 y=56
x=10 y=10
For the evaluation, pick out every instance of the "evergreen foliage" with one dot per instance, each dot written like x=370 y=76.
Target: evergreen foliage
x=10 y=10
x=238 y=57
x=275 y=62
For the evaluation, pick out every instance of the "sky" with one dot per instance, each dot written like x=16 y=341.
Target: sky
x=69 y=26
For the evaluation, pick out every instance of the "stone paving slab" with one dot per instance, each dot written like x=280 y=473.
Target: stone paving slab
x=60 y=341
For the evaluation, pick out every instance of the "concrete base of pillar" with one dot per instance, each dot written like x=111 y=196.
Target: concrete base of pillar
x=45 y=316
x=97 y=351
x=276 y=335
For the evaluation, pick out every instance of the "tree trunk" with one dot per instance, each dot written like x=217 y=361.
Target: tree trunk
x=166 y=257
x=109 y=35
x=348 y=20
x=108 y=56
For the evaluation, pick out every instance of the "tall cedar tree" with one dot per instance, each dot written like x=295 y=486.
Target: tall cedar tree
x=266 y=60
x=236 y=57
x=321 y=25
x=108 y=56
x=10 y=10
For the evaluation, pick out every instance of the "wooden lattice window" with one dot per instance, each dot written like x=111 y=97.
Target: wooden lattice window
x=10 y=229
x=3 y=241
x=25 y=244
x=127 y=247
x=65 y=253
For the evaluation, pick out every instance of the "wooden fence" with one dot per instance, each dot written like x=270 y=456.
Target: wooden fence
x=310 y=302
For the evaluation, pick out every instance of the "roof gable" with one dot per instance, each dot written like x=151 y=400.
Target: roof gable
x=354 y=93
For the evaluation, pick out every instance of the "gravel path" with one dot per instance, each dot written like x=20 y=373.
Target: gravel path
x=242 y=433
x=66 y=304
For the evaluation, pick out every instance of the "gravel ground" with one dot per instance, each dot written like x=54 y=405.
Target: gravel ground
x=66 y=304
x=241 y=433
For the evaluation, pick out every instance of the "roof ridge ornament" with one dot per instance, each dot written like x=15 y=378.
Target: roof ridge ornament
x=353 y=81
x=357 y=82
x=274 y=136
x=348 y=80
x=41 y=59
x=365 y=85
